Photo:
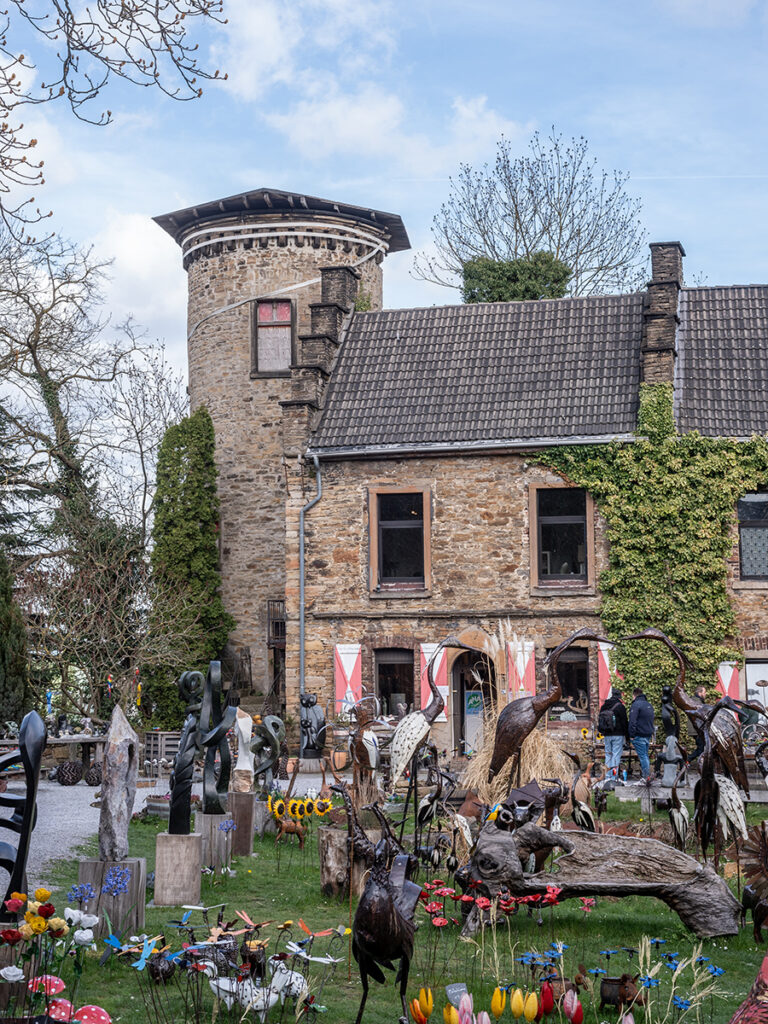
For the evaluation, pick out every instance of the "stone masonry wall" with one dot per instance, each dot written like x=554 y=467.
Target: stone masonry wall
x=480 y=567
x=247 y=416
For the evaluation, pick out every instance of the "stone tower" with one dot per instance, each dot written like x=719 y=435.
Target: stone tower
x=267 y=299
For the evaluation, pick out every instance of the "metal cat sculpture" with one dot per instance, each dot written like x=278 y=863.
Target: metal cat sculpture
x=520 y=717
x=32 y=738
x=190 y=686
x=312 y=726
x=214 y=727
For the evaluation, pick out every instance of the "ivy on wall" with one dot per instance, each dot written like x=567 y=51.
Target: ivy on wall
x=669 y=504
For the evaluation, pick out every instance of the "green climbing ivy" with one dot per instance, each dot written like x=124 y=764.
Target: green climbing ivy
x=669 y=504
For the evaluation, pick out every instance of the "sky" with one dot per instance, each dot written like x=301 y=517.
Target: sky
x=377 y=102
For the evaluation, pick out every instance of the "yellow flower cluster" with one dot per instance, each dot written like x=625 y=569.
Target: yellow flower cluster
x=298 y=809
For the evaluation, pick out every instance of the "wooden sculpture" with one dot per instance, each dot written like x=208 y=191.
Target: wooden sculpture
x=754 y=860
x=364 y=752
x=383 y=927
x=520 y=717
x=412 y=730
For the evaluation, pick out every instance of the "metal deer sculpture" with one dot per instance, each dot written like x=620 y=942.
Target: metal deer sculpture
x=520 y=717
x=190 y=686
x=32 y=737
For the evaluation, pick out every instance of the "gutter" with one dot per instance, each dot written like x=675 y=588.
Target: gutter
x=384 y=451
x=305 y=508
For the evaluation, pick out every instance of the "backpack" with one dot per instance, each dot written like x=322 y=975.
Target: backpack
x=606 y=721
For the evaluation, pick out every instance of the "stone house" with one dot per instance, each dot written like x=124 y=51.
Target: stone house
x=377 y=485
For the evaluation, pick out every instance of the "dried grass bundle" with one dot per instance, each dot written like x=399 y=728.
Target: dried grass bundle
x=541 y=758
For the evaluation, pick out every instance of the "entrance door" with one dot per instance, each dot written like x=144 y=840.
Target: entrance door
x=473 y=684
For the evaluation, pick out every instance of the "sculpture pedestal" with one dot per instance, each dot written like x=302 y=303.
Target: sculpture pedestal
x=127 y=908
x=242 y=808
x=217 y=844
x=178 y=864
x=263 y=821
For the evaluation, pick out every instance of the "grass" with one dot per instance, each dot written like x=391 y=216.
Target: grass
x=276 y=887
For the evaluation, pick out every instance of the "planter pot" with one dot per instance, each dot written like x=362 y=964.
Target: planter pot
x=290 y=765
x=339 y=758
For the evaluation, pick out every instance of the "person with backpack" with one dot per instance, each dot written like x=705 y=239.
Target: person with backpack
x=641 y=729
x=612 y=723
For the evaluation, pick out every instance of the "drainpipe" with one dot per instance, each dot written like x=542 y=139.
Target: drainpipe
x=306 y=508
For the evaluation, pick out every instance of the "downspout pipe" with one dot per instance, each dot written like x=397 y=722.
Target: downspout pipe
x=305 y=509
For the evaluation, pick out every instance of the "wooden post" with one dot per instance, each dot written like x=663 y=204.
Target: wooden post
x=242 y=808
x=217 y=845
x=125 y=910
x=178 y=865
x=263 y=821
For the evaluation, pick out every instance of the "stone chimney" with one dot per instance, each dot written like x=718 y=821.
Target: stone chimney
x=660 y=317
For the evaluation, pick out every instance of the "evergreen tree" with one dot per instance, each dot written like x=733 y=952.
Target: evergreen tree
x=541 y=276
x=185 y=554
x=13 y=650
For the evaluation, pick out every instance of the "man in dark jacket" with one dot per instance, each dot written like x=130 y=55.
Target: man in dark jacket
x=641 y=730
x=612 y=723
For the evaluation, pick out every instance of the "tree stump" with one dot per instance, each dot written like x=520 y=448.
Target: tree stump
x=125 y=910
x=178 y=865
x=334 y=861
x=217 y=846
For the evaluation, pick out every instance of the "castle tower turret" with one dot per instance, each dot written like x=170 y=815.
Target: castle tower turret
x=267 y=297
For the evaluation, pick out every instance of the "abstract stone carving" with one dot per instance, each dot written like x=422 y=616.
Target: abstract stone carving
x=190 y=686
x=242 y=776
x=213 y=738
x=312 y=724
x=265 y=745
x=118 y=789
x=32 y=737
x=603 y=865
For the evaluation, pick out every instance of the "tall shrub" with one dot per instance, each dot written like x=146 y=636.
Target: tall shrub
x=13 y=651
x=185 y=553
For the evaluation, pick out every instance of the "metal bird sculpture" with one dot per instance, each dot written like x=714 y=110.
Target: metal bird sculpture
x=412 y=730
x=754 y=1009
x=679 y=817
x=705 y=797
x=580 y=812
x=383 y=927
x=520 y=717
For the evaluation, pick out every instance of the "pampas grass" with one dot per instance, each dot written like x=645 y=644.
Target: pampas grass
x=541 y=758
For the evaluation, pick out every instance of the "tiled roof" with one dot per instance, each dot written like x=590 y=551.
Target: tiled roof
x=722 y=364
x=487 y=373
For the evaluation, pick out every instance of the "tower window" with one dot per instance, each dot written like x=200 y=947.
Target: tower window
x=273 y=337
x=753 y=536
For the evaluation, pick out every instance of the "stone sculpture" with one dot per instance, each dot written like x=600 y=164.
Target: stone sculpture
x=601 y=865
x=242 y=776
x=670 y=716
x=312 y=724
x=190 y=686
x=118 y=789
x=214 y=727
x=13 y=858
x=265 y=746
x=671 y=759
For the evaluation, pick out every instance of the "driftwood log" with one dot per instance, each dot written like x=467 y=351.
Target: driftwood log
x=334 y=861
x=605 y=865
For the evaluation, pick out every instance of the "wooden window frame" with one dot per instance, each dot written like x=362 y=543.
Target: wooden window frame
x=375 y=588
x=761 y=580
x=254 y=325
x=547 y=587
x=570 y=655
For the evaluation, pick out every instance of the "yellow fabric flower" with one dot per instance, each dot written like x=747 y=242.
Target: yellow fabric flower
x=58 y=924
x=33 y=906
x=19 y=896
x=26 y=931
x=38 y=924
x=42 y=895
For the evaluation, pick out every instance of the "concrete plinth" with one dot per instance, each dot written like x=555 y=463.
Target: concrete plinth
x=310 y=765
x=126 y=908
x=241 y=807
x=178 y=865
x=217 y=844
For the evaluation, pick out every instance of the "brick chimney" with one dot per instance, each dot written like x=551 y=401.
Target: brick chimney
x=660 y=317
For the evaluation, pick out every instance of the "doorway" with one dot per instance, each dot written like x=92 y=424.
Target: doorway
x=473 y=685
x=394 y=678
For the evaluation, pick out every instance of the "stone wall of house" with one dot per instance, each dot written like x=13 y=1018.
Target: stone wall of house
x=750 y=604
x=480 y=567
x=246 y=411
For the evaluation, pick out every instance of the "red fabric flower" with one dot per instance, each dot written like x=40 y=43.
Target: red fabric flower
x=434 y=907
x=482 y=902
x=46 y=910
x=14 y=905
x=466 y=898
x=444 y=892
x=11 y=936
x=439 y=922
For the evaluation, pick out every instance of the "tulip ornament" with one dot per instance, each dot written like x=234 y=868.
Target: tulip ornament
x=531 y=1006
x=517 y=1004
x=450 y=1014
x=498 y=1002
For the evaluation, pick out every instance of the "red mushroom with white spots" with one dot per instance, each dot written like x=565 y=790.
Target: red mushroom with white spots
x=92 y=1015
x=60 y=1009
x=47 y=983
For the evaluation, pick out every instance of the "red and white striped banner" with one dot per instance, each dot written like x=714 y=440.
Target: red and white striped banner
x=728 y=679
x=521 y=668
x=348 y=676
x=605 y=674
x=440 y=674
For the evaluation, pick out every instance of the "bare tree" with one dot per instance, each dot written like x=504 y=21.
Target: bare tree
x=554 y=199
x=82 y=47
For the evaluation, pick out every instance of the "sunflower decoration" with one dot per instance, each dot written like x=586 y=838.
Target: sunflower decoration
x=276 y=806
x=309 y=807
x=296 y=809
x=584 y=733
x=322 y=807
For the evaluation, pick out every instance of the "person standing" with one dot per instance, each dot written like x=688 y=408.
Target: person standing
x=641 y=729
x=613 y=724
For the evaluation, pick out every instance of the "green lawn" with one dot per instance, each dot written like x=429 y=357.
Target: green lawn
x=268 y=887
